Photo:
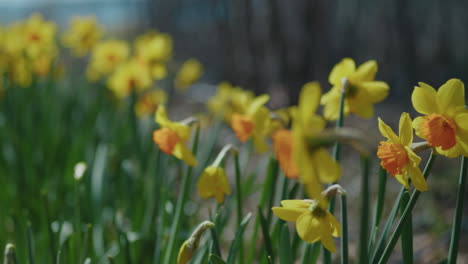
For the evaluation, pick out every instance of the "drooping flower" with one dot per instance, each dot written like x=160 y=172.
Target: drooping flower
x=188 y=74
x=362 y=89
x=313 y=221
x=214 y=183
x=172 y=137
x=83 y=35
x=253 y=122
x=189 y=247
x=445 y=121
x=315 y=165
x=282 y=144
x=396 y=156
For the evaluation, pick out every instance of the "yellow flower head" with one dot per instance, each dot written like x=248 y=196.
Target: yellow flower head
x=214 y=183
x=283 y=143
x=38 y=35
x=172 y=137
x=154 y=47
x=189 y=73
x=149 y=102
x=315 y=164
x=362 y=93
x=106 y=57
x=253 y=121
x=83 y=35
x=229 y=100
x=445 y=121
x=396 y=156
x=313 y=221
x=128 y=77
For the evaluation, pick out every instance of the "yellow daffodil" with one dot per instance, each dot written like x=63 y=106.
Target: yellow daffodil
x=362 y=90
x=149 y=102
x=315 y=164
x=313 y=221
x=38 y=35
x=106 y=57
x=396 y=156
x=282 y=144
x=253 y=122
x=154 y=47
x=128 y=77
x=188 y=74
x=214 y=183
x=445 y=121
x=172 y=137
x=229 y=100
x=83 y=35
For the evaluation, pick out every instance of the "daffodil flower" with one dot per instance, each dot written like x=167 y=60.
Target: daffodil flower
x=214 y=183
x=396 y=156
x=253 y=122
x=313 y=221
x=149 y=102
x=129 y=76
x=172 y=137
x=83 y=35
x=362 y=91
x=445 y=124
x=229 y=100
x=106 y=56
x=189 y=73
x=315 y=164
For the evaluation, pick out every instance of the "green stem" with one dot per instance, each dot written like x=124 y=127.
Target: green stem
x=414 y=198
x=239 y=201
x=407 y=233
x=344 y=230
x=380 y=204
x=363 y=237
x=184 y=194
x=457 y=219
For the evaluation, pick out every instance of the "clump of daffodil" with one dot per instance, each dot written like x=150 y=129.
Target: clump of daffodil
x=315 y=164
x=445 y=121
x=188 y=248
x=361 y=93
x=313 y=221
x=229 y=100
x=149 y=101
x=82 y=36
x=172 y=137
x=129 y=76
x=188 y=74
x=253 y=122
x=396 y=155
x=106 y=56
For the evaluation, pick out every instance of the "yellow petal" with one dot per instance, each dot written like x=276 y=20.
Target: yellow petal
x=328 y=169
x=308 y=227
x=205 y=185
x=403 y=179
x=416 y=123
x=313 y=190
x=413 y=157
x=362 y=108
x=406 y=129
x=376 y=91
x=309 y=98
x=365 y=72
x=451 y=95
x=257 y=103
x=288 y=214
x=462 y=121
x=343 y=69
x=327 y=241
x=331 y=101
x=417 y=178
x=424 y=99
x=453 y=152
x=161 y=115
x=182 y=152
x=387 y=132
x=334 y=224
x=300 y=204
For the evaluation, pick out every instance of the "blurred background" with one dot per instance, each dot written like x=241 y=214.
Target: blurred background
x=275 y=46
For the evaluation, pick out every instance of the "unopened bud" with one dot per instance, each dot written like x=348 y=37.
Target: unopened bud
x=188 y=248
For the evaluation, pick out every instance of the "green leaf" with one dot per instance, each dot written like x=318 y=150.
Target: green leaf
x=216 y=260
x=237 y=239
x=265 y=232
x=285 y=245
x=407 y=233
